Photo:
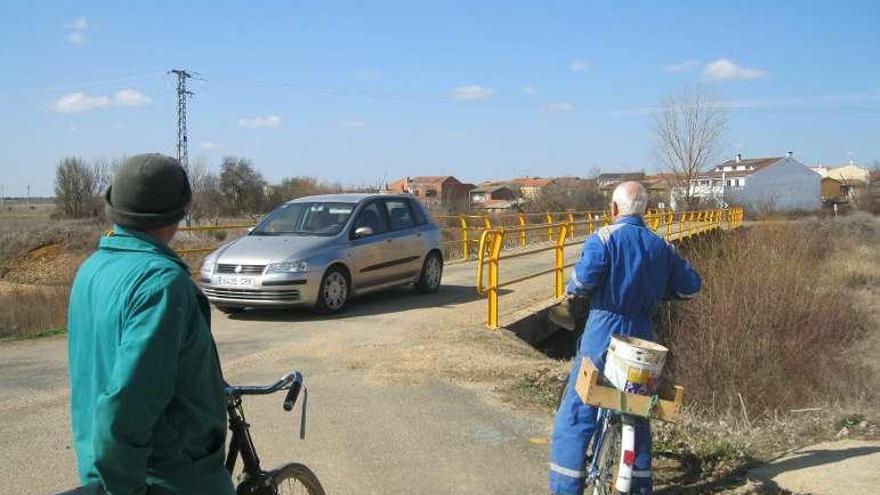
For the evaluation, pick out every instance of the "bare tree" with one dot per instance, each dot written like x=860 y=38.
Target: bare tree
x=688 y=131
x=78 y=187
x=207 y=200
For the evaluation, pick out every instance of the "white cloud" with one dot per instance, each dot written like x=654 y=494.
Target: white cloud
x=725 y=70
x=529 y=90
x=352 y=124
x=80 y=102
x=130 y=98
x=471 y=93
x=559 y=106
x=686 y=66
x=76 y=28
x=76 y=38
x=80 y=23
x=579 y=65
x=255 y=122
x=208 y=145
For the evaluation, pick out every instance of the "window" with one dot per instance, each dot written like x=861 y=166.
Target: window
x=317 y=218
x=373 y=217
x=430 y=193
x=400 y=214
x=418 y=214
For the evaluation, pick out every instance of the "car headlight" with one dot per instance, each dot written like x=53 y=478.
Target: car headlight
x=287 y=267
x=208 y=266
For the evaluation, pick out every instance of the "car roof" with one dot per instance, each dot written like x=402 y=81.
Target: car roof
x=346 y=197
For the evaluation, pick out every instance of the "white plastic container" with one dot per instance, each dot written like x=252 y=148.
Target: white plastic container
x=634 y=365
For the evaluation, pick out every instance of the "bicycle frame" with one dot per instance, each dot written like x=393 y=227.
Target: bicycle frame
x=606 y=420
x=241 y=444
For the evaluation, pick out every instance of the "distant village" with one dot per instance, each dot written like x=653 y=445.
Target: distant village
x=780 y=183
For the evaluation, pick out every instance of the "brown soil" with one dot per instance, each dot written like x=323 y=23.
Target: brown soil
x=49 y=264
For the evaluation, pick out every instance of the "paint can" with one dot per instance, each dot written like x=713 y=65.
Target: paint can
x=634 y=365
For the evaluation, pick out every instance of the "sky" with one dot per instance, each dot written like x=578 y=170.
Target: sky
x=367 y=92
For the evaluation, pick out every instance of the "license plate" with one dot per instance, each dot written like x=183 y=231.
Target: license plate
x=233 y=281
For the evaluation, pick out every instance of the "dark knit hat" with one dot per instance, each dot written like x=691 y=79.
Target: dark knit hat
x=149 y=191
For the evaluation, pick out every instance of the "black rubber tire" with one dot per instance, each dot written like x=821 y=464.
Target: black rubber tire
x=608 y=459
x=295 y=479
x=229 y=310
x=426 y=283
x=322 y=305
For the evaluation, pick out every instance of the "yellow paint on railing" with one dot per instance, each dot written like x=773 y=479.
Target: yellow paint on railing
x=689 y=224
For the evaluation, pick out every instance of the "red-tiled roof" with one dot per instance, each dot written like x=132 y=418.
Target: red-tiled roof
x=531 y=181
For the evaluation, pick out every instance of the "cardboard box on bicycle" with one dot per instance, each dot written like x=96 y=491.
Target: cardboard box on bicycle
x=592 y=390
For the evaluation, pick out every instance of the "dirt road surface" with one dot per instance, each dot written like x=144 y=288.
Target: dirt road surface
x=386 y=413
x=849 y=467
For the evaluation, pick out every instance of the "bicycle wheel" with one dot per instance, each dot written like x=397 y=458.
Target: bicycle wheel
x=295 y=479
x=607 y=460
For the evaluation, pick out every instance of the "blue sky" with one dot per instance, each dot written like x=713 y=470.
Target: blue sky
x=360 y=92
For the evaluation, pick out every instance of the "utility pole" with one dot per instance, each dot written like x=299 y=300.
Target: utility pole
x=182 y=93
x=29 y=195
x=182 y=147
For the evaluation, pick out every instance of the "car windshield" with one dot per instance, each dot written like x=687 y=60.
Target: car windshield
x=307 y=218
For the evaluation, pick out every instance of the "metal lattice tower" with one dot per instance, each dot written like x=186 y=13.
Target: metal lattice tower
x=182 y=93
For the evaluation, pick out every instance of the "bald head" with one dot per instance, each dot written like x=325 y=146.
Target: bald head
x=629 y=198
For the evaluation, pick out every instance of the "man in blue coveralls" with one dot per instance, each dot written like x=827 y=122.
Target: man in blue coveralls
x=626 y=270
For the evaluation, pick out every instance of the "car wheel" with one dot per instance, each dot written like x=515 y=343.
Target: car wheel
x=334 y=291
x=432 y=274
x=229 y=310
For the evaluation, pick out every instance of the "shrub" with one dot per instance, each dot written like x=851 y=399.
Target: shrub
x=772 y=327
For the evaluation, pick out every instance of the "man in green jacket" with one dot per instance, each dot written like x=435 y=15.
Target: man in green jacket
x=147 y=400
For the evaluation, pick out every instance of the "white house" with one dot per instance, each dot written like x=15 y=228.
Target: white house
x=775 y=183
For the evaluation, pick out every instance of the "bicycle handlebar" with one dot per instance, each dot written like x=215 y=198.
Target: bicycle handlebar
x=293 y=382
x=294 y=379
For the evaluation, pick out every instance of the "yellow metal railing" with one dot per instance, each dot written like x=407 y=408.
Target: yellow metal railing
x=670 y=225
x=464 y=231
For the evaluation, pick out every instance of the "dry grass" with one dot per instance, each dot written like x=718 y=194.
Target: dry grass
x=39 y=257
x=775 y=326
x=30 y=311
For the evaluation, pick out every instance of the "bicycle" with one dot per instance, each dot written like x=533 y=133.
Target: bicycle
x=605 y=468
x=289 y=479
x=293 y=478
x=611 y=452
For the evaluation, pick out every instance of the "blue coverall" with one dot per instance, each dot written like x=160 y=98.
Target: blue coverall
x=626 y=270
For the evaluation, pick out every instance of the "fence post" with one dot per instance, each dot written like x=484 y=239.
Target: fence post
x=494 y=258
x=560 y=262
x=465 y=246
x=523 y=238
x=571 y=225
x=549 y=226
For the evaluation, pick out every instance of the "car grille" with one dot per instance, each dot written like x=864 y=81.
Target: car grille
x=287 y=295
x=245 y=269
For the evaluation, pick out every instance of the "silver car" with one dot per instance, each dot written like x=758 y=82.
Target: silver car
x=318 y=251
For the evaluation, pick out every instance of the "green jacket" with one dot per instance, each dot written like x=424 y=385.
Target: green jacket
x=147 y=402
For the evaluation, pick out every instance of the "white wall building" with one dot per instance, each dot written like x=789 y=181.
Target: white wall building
x=776 y=183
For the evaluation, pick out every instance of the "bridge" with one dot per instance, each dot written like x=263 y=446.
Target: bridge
x=409 y=393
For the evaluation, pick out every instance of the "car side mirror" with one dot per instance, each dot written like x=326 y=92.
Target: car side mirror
x=362 y=232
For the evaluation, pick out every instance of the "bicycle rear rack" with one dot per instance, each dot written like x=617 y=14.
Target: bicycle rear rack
x=592 y=390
